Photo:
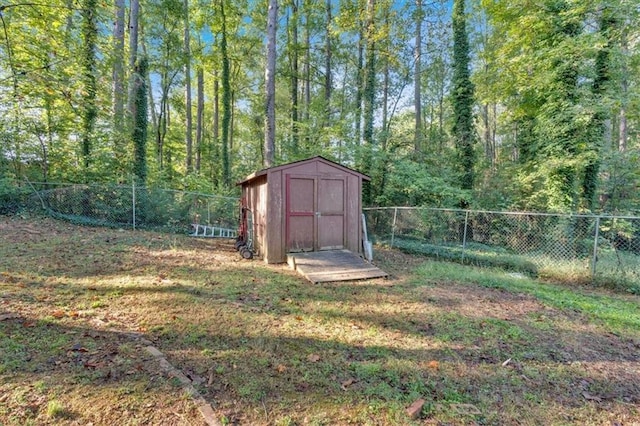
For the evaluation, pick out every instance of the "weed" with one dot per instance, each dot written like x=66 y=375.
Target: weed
x=55 y=410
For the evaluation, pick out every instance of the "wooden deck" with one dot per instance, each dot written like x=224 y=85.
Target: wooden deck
x=333 y=265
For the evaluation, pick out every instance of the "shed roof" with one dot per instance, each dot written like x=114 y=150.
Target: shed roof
x=308 y=160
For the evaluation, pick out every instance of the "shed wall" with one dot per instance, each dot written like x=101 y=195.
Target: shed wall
x=256 y=198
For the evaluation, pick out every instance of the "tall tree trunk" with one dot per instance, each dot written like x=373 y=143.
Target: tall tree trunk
x=200 y=119
x=134 y=11
x=327 y=66
x=293 y=60
x=463 y=98
x=270 y=86
x=226 y=100
x=89 y=65
x=139 y=134
x=216 y=126
x=118 y=83
x=359 y=84
x=369 y=96
x=417 y=89
x=307 y=77
x=623 y=132
x=187 y=77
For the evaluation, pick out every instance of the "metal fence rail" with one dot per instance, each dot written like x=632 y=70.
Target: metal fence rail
x=583 y=246
x=136 y=207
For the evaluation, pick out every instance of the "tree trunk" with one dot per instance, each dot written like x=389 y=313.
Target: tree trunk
x=187 y=77
x=133 y=50
x=270 y=86
x=369 y=96
x=139 y=134
x=118 y=83
x=90 y=110
x=226 y=100
x=293 y=60
x=463 y=98
x=200 y=119
x=327 y=66
x=307 y=78
x=359 y=83
x=417 y=89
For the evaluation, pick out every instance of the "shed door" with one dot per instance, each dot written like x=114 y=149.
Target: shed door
x=315 y=213
x=301 y=213
x=331 y=213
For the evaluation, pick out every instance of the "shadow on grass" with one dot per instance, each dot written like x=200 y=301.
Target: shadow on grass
x=56 y=371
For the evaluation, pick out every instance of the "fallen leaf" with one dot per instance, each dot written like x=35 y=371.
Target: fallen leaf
x=313 y=358
x=74 y=314
x=281 y=368
x=345 y=385
x=57 y=313
x=590 y=397
x=28 y=324
x=298 y=318
x=413 y=411
x=433 y=364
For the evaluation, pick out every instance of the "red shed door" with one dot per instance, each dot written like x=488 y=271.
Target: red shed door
x=301 y=213
x=331 y=213
x=315 y=213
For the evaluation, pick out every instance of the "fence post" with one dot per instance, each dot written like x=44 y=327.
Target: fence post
x=595 y=249
x=133 y=189
x=464 y=234
x=393 y=225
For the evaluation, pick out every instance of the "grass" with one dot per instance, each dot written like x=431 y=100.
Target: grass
x=265 y=347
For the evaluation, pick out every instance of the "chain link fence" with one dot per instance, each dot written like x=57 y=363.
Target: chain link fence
x=572 y=246
x=135 y=207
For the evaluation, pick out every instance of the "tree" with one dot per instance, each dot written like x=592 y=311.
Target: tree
x=119 y=90
x=417 y=87
x=90 y=111
x=187 y=91
x=140 y=121
x=270 y=86
x=226 y=99
x=134 y=12
x=462 y=98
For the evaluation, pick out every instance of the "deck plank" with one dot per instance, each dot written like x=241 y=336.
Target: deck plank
x=333 y=265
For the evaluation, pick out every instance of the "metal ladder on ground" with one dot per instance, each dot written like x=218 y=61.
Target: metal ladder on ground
x=206 y=231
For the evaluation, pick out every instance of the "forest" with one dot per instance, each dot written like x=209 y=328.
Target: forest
x=493 y=104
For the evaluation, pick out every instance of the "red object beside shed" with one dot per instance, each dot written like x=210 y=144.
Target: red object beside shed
x=308 y=205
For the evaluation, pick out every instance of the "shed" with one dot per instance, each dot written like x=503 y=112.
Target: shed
x=308 y=205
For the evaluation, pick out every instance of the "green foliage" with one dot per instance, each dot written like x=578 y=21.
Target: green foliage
x=139 y=135
x=412 y=184
x=462 y=98
x=11 y=195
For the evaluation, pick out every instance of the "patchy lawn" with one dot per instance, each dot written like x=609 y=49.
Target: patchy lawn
x=265 y=347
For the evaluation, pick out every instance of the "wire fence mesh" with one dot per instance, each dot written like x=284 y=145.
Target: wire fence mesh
x=134 y=206
x=578 y=246
x=581 y=246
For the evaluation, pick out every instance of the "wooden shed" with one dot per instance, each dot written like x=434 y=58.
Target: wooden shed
x=308 y=205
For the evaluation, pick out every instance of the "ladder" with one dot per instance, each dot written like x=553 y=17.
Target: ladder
x=206 y=231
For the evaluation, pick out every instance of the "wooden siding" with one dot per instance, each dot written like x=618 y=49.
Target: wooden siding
x=266 y=194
